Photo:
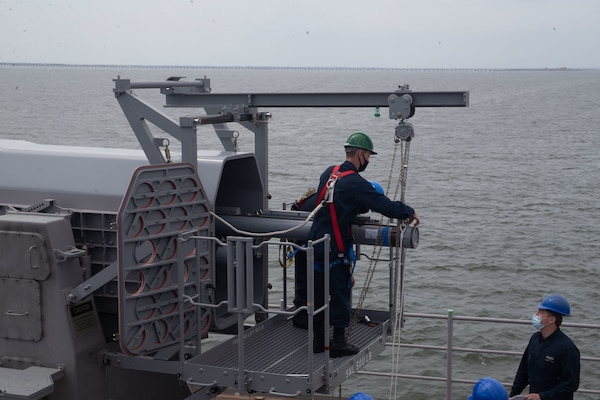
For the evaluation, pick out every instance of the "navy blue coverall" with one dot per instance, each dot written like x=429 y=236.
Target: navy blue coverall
x=352 y=195
x=549 y=366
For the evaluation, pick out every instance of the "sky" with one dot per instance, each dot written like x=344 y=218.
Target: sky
x=304 y=33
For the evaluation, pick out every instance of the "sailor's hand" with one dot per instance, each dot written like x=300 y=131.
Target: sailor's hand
x=416 y=219
x=534 y=396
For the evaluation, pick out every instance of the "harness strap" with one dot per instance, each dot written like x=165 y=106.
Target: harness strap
x=330 y=185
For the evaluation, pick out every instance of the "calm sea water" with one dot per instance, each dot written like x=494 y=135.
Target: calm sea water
x=507 y=189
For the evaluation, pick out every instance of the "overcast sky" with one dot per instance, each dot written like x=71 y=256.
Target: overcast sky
x=327 y=33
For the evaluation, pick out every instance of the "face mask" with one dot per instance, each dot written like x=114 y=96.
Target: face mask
x=363 y=166
x=536 y=321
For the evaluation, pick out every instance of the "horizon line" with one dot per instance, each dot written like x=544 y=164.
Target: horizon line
x=267 y=67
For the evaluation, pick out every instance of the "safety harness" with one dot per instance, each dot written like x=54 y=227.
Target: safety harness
x=326 y=195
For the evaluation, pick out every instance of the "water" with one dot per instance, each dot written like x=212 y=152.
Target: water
x=506 y=188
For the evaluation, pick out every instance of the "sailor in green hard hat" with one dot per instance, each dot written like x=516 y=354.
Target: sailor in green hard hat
x=343 y=193
x=551 y=362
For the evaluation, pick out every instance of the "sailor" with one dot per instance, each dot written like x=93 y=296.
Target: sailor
x=488 y=389
x=551 y=362
x=308 y=202
x=344 y=194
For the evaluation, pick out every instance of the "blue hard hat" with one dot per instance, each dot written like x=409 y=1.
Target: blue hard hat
x=377 y=187
x=556 y=303
x=488 y=389
x=360 y=396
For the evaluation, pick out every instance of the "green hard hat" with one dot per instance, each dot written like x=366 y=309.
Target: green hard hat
x=361 y=141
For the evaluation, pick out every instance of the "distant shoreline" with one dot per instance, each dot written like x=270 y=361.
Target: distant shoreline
x=209 y=67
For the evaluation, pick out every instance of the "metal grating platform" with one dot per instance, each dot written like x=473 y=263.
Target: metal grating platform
x=276 y=359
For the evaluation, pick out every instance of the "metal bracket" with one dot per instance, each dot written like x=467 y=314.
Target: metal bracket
x=401 y=106
x=73 y=252
x=88 y=287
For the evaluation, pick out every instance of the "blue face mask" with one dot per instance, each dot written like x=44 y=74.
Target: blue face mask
x=536 y=321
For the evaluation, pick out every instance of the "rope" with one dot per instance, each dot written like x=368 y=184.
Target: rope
x=267 y=234
x=398 y=308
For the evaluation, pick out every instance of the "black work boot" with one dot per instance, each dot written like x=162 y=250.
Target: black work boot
x=300 y=320
x=339 y=346
x=319 y=338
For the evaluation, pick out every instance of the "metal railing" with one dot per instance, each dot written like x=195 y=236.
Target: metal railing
x=449 y=349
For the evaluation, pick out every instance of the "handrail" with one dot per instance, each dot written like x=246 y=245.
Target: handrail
x=240 y=278
x=449 y=349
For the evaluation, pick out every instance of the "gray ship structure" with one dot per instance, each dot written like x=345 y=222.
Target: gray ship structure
x=117 y=265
